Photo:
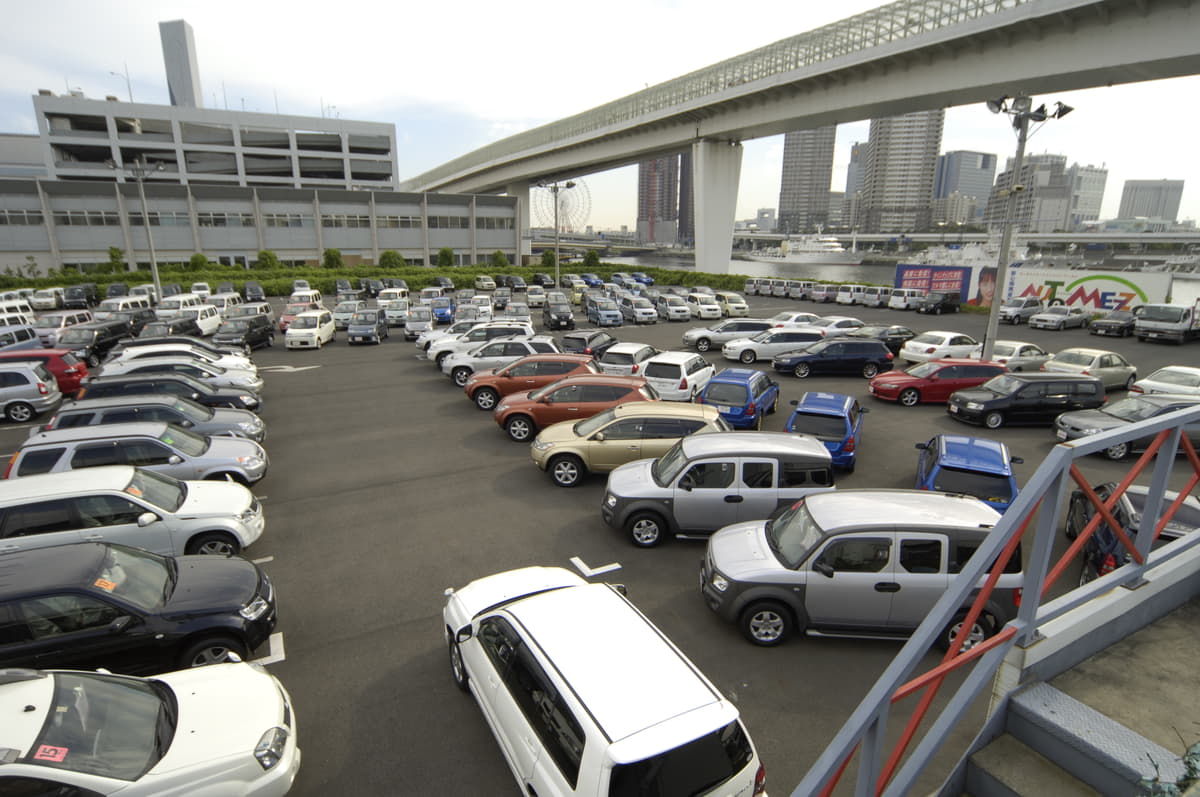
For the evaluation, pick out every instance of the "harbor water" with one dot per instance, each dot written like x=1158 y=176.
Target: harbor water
x=840 y=272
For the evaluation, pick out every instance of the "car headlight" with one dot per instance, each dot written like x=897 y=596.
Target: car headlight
x=249 y=401
x=247 y=516
x=541 y=445
x=254 y=609
x=1089 y=430
x=610 y=500
x=270 y=747
x=719 y=582
x=974 y=405
x=251 y=462
x=247 y=426
x=502 y=408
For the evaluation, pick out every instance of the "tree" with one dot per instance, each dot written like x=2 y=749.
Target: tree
x=499 y=260
x=268 y=259
x=333 y=259
x=548 y=259
x=116 y=260
x=445 y=257
x=198 y=262
x=391 y=259
x=591 y=260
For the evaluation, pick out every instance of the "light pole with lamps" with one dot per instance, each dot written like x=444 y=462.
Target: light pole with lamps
x=554 y=188
x=1022 y=112
x=138 y=170
x=128 y=85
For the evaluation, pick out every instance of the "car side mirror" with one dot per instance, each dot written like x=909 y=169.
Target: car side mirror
x=864 y=409
x=174 y=459
x=824 y=568
x=119 y=625
x=186 y=424
x=146 y=518
x=920 y=446
x=463 y=634
x=598 y=437
x=1017 y=461
x=794 y=402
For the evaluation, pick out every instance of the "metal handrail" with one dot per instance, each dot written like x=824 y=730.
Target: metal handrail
x=864 y=731
x=893 y=22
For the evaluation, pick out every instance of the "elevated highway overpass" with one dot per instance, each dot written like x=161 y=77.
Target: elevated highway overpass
x=907 y=56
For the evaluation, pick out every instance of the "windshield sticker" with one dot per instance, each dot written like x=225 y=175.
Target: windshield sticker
x=134 y=491
x=48 y=752
x=104 y=584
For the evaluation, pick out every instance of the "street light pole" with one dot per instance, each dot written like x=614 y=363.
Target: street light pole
x=554 y=188
x=138 y=170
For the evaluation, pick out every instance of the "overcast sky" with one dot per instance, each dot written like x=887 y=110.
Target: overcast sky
x=453 y=78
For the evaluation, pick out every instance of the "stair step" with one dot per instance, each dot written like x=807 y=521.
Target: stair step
x=1008 y=767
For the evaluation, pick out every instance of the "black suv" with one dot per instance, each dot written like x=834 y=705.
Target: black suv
x=1025 y=398
x=545 y=280
x=94 y=605
x=80 y=297
x=588 y=341
x=172 y=384
x=837 y=356
x=172 y=326
x=248 y=332
x=116 y=289
x=90 y=342
x=557 y=316
x=938 y=302
x=137 y=318
x=253 y=291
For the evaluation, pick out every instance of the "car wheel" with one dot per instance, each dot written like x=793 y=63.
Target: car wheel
x=981 y=630
x=485 y=398
x=766 y=624
x=1117 y=452
x=1061 y=326
x=1016 y=321
x=519 y=427
x=19 y=412
x=213 y=543
x=567 y=471
x=937 y=311
x=774 y=405
x=227 y=476
x=758 y=422
x=802 y=370
x=993 y=420
x=646 y=529
x=909 y=397
x=704 y=344
x=869 y=370
x=461 y=375
x=270 y=341
x=748 y=356
x=1129 y=382
x=211 y=651
x=93 y=361
x=441 y=357
x=458 y=670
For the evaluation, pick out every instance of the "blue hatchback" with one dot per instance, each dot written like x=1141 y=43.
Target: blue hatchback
x=955 y=463
x=443 y=310
x=833 y=418
x=742 y=396
x=642 y=277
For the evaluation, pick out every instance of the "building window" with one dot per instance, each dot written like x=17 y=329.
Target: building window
x=410 y=222
x=449 y=222
x=493 y=223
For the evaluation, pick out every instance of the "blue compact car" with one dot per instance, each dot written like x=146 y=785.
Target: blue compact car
x=955 y=463
x=833 y=418
x=642 y=277
x=443 y=310
x=742 y=396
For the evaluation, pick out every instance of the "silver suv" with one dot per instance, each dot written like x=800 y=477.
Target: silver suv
x=160 y=447
x=27 y=389
x=708 y=481
x=853 y=563
x=442 y=348
x=494 y=354
x=1020 y=309
x=720 y=333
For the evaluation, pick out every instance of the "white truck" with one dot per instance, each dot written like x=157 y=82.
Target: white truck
x=1177 y=322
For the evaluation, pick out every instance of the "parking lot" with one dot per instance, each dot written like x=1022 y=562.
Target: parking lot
x=388 y=486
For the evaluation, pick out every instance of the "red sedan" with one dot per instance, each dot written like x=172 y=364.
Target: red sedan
x=573 y=398
x=932 y=381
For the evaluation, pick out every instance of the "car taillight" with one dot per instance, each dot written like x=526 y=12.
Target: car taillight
x=588 y=350
x=11 y=460
x=891 y=356
x=760 y=780
x=750 y=408
x=849 y=446
x=1108 y=565
x=42 y=388
x=699 y=399
x=635 y=368
x=930 y=350
x=71 y=371
x=1136 y=389
x=1043 y=367
x=1017 y=596
x=683 y=383
x=1086 y=372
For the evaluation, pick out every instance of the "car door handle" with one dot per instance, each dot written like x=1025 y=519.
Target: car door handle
x=94 y=537
x=572 y=409
x=633 y=447
x=733 y=499
x=887 y=586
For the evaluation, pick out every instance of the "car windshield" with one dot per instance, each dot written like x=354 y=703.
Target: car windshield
x=1057 y=310
x=762 y=337
x=363 y=318
x=1014 y=303
x=154 y=330
x=419 y=314
x=440 y=302
x=1132 y=409
x=346 y=307
x=587 y=427
x=1152 y=312
x=162 y=491
x=1119 y=315
x=542 y=391
x=235 y=326
x=922 y=370
x=988 y=486
x=170 y=304
x=640 y=302
x=193 y=411
x=822 y=427
x=48 y=322
x=305 y=322
x=869 y=332
x=560 y=308
x=669 y=465
x=1003 y=384
x=77 y=336
x=676 y=301
x=698 y=767
x=1170 y=376
x=105 y=725
x=296 y=309
x=144 y=579
x=704 y=298
x=189 y=443
x=928 y=337
x=1073 y=358
x=792 y=534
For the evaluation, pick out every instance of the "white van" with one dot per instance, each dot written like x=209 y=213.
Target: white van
x=905 y=298
x=207 y=317
x=703 y=305
x=172 y=306
x=224 y=302
x=123 y=304
x=850 y=294
x=876 y=296
x=306 y=296
x=586 y=696
x=21 y=307
x=310 y=330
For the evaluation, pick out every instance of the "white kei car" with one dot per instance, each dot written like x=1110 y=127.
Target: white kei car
x=221 y=729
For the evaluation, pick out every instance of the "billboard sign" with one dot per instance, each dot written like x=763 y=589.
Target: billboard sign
x=934 y=278
x=1091 y=291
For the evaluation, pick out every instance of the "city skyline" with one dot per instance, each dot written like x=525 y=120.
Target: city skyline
x=446 y=100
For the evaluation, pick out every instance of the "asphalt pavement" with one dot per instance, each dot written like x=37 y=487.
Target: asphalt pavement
x=388 y=486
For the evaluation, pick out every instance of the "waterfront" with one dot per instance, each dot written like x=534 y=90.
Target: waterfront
x=833 y=272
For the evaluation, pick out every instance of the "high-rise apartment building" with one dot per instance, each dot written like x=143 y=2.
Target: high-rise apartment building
x=804 y=184
x=967 y=174
x=1152 y=199
x=686 y=235
x=857 y=170
x=1052 y=198
x=897 y=192
x=658 y=200
x=1087 y=194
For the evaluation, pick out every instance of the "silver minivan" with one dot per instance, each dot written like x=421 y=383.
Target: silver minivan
x=708 y=481
x=160 y=447
x=27 y=389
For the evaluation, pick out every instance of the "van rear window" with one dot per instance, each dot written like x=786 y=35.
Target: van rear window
x=693 y=768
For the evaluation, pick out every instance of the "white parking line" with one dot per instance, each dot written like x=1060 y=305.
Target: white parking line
x=276 y=647
x=588 y=572
x=263 y=560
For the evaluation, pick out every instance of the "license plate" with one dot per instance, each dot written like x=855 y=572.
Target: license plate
x=1061 y=434
x=722 y=408
x=953 y=409
x=357 y=339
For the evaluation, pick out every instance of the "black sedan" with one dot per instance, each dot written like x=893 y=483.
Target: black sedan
x=837 y=356
x=893 y=337
x=1118 y=323
x=92 y=605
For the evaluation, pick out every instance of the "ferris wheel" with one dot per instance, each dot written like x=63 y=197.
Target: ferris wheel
x=574 y=205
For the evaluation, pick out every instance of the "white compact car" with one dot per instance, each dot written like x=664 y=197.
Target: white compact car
x=310 y=330
x=221 y=729
x=937 y=345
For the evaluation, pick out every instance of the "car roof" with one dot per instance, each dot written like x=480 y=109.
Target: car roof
x=967 y=361
x=753 y=444
x=601 y=379
x=52 y=566
x=839 y=509
x=582 y=359
x=69 y=483
x=974 y=453
x=102 y=431
x=671 y=356
x=824 y=403
x=137 y=399
x=1085 y=350
x=628 y=347
x=666 y=409
x=735 y=375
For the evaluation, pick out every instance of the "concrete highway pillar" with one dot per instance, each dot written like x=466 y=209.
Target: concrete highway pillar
x=524 y=236
x=717 y=167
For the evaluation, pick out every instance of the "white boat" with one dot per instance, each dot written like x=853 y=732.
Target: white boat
x=974 y=254
x=807 y=249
